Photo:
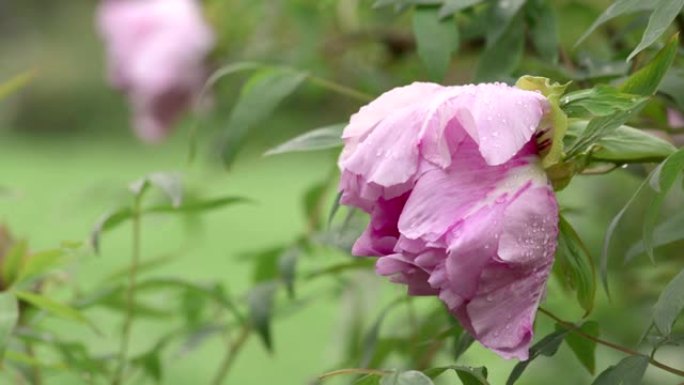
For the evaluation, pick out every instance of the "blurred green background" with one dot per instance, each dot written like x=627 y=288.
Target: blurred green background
x=67 y=153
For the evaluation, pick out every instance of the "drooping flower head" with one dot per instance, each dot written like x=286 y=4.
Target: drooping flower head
x=460 y=205
x=156 y=51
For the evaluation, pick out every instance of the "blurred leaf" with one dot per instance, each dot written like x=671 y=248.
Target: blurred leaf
x=627 y=144
x=368 y=379
x=618 y=8
x=547 y=346
x=12 y=262
x=147 y=265
x=16 y=83
x=151 y=365
x=600 y=100
x=669 y=305
x=503 y=56
x=370 y=340
x=318 y=139
x=543 y=29
x=38 y=263
x=287 y=268
x=604 y=125
x=436 y=40
x=576 y=261
x=450 y=7
x=464 y=341
x=265 y=264
x=502 y=15
x=411 y=377
x=647 y=80
x=334 y=208
x=661 y=181
x=629 y=371
x=313 y=202
x=467 y=374
x=53 y=307
x=28 y=360
x=584 y=348
x=9 y=315
x=673 y=86
x=259 y=97
x=260 y=299
x=667 y=232
x=664 y=14
x=356 y=264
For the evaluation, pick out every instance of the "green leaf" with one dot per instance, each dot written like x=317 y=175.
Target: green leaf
x=584 y=348
x=547 y=346
x=314 y=199
x=15 y=83
x=260 y=301
x=618 y=8
x=669 y=305
x=631 y=145
x=39 y=263
x=370 y=340
x=287 y=268
x=661 y=18
x=502 y=15
x=259 y=97
x=600 y=100
x=436 y=40
x=574 y=257
x=467 y=374
x=464 y=341
x=319 y=139
x=647 y=80
x=673 y=86
x=604 y=125
x=13 y=261
x=629 y=371
x=450 y=7
x=503 y=56
x=410 y=377
x=669 y=231
x=53 y=307
x=9 y=315
x=543 y=30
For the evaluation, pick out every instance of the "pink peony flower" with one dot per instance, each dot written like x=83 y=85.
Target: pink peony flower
x=156 y=51
x=460 y=206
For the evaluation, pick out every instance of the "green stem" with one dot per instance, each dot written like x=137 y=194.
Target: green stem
x=609 y=344
x=231 y=354
x=339 y=88
x=130 y=294
x=351 y=371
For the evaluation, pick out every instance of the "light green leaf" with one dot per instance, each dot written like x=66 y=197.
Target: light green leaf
x=584 y=348
x=576 y=261
x=39 y=263
x=661 y=18
x=647 y=80
x=319 y=139
x=503 y=56
x=450 y=7
x=627 y=145
x=600 y=100
x=53 y=307
x=629 y=371
x=260 y=301
x=9 y=315
x=547 y=346
x=669 y=305
x=618 y=8
x=259 y=97
x=436 y=40
x=13 y=261
x=411 y=377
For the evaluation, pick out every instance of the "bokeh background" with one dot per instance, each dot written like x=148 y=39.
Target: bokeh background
x=67 y=153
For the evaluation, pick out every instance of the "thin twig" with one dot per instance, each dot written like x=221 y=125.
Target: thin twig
x=231 y=354
x=626 y=350
x=341 y=89
x=130 y=294
x=340 y=372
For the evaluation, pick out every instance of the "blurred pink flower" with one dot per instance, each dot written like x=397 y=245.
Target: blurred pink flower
x=156 y=51
x=460 y=205
x=675 y=118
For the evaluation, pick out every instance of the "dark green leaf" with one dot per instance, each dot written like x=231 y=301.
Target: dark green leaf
x=12 y=262
x=503 y=56
x=577 y=262
x=436 y=40
x=584 y=348
x=449 y=7
x=411 y=377
x=627 y=145
x=319 y=139
x=618 y=8
x=464 y=341
x=544 y=30
x=502 y=15
x=287 y=268
x=9 y=315
x=629 y=371
x=467 y=374
x=313 y=204
x=260 y=300
x=669 y=305
x=661 y=18
x=370 y=340
x=667 y=232
x=647 y=80
x=547 y=346
x=259 y=97
x=334 y=208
